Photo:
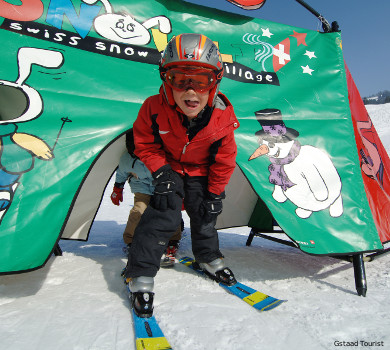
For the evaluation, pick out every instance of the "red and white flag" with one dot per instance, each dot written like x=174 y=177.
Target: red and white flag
x=281 y=54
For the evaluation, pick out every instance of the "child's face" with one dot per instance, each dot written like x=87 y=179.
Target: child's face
x=190 y=101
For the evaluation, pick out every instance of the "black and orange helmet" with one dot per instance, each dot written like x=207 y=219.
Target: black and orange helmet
x=193 y=50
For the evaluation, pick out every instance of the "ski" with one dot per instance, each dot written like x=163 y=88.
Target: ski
x=148 y=334
x=258 y=300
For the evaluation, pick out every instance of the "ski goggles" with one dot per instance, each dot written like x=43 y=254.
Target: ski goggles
x=199 y=79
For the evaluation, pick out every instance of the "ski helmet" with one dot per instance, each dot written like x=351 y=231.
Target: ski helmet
x=193 y=50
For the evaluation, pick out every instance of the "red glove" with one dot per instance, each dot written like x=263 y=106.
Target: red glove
x=117 y=195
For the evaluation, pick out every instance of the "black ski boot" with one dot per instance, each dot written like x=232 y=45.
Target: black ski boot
x=217 y=270
x=141 y=295
x=142 y=302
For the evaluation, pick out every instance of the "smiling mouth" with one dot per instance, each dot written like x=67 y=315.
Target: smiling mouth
x=125 y=37
x=276 y=155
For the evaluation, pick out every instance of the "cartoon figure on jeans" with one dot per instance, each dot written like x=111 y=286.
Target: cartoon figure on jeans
x=185 y=137
x=140 y=180
x=21 y=103
x=123 y=28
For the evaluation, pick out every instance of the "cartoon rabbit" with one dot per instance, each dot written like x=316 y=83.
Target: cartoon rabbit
x=123 y=28
x=21 y=103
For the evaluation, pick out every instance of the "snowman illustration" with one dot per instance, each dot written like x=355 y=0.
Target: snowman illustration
x=123 y=28
x=21 y=103
x=303 y=174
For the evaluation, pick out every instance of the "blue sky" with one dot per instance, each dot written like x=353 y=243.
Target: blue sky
x=364 y=26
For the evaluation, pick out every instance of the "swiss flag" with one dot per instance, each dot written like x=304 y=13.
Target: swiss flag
x=281 y=54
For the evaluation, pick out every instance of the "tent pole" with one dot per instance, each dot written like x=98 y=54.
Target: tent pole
x=357 y=259
x=360 y=274
x=57 y=250
x=325 y=24
x=378 y=254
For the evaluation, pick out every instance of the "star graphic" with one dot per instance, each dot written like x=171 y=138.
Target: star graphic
x=307 y=69
x=300 y=37
x=266 y=32
x=310 y=54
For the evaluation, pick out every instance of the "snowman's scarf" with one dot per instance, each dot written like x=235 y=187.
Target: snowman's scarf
x=278 y=175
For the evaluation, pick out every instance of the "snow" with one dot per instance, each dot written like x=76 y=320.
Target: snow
x=78 y=300
x=380 y=115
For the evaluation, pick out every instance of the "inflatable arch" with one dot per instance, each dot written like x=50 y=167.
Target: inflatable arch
x=74 y=74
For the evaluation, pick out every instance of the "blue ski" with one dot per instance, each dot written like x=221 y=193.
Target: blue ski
x=148 y=334
x=258 y=300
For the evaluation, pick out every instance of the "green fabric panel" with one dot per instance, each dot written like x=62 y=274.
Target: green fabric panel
x=101 y=83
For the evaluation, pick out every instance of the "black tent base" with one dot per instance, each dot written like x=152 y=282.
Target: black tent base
x=357 y=259
x=57 y=251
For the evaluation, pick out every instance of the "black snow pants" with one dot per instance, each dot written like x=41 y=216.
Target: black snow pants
x=152 y=234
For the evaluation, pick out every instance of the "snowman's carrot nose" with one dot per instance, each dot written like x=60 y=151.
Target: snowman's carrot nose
x=263 y=149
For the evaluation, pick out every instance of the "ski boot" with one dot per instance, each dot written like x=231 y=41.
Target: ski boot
x=142 y=295
x=217 y=270
x=169 y=257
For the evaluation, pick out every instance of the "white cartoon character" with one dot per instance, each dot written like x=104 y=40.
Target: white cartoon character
x=21 y=103
x=303 y=174
x=123 y=28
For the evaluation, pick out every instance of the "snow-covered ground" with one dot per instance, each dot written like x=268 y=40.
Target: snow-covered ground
x=78 y=301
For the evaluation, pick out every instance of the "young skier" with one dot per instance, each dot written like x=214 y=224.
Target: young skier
x=185 y=136
x=140 y=180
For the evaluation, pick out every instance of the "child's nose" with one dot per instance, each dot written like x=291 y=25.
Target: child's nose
x=189 y=88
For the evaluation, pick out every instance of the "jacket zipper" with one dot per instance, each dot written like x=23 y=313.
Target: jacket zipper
x=204 y=138
x=185 y=146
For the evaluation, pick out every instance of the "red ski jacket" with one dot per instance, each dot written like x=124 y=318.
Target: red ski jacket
x=160 y=139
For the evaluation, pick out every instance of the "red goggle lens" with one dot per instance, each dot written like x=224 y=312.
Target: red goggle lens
x=198 y=79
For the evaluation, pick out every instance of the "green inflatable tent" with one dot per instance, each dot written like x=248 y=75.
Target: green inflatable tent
x=73 y=75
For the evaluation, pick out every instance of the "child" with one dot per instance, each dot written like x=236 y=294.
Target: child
x=140 y=181
x=185 y=136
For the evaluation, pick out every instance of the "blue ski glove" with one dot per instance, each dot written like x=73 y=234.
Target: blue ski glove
x=165 y=188
x=211 y=207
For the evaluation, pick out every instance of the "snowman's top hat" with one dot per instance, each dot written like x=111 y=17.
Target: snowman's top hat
x=274 y=129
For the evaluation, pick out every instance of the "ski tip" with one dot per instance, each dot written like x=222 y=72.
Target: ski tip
x=254 y=298
x=272 y=305
x=153 y=344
